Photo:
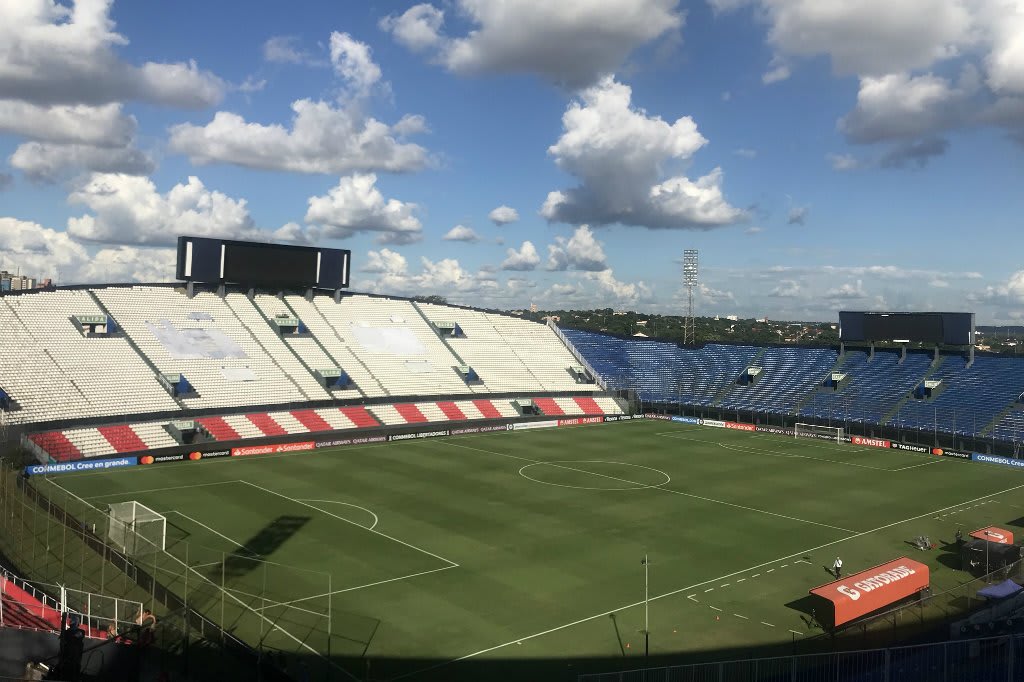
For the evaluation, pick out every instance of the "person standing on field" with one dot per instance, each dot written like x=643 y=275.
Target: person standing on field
x=837 y=567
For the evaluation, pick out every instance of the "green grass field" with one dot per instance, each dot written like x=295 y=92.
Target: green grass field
x=519 y=545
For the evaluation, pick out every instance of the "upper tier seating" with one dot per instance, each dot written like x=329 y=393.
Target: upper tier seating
x=789 y=374
x=509 y=354
x=874 y=387
x=54 y=372
x=231 y=355
x=971 y=399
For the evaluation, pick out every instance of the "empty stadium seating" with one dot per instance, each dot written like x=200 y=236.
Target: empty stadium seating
x=231 y=354
x=976 y=400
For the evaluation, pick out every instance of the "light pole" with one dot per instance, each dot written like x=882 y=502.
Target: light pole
x=647 y=626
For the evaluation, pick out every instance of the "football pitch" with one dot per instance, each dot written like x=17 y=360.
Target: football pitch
x=425 y=555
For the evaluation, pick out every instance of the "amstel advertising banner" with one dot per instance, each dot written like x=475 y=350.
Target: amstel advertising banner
x=846 y=599
x=871 y=442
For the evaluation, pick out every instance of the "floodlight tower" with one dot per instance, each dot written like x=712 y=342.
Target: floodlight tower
x=690 y=282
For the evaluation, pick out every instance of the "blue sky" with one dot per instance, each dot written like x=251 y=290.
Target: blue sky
x=820 y=154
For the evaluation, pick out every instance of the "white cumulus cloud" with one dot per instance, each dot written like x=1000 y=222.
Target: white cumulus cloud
x=580 y=252
x=356 y=205
x=323 y=139
x=503 y=215
x=54 y=54
x=461 y=233
x=570 y=43
x=125 y=209
x=353 y=63
x=618 y=152
x=525 y=258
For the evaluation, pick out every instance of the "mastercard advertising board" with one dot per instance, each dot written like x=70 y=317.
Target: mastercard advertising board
x=849 y=598
x=992 y=534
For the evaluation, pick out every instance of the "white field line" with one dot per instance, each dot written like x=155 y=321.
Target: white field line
x=349 y=504
x=656 y=487
x=215 y=532
x=739 y=616
x=604 y=613
x=768 y=624
x=360 y=587
x=273 y=625
x=922 y=464
x=127 y=493
x=714 y=607
x=342 y=518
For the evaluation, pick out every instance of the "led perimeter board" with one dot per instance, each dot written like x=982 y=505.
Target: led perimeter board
x=253 y=264
x=953 y=329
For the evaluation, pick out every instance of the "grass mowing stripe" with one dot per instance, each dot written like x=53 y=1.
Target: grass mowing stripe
x=605 y=612
x=342 y=518
x=656 y=487
x=155 y=490
x=199 y=523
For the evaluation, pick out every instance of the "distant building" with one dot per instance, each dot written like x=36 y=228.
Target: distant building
x=12 y=282
x=732 y=318
x=533 y=307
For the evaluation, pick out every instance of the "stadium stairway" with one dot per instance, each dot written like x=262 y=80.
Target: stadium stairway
x=909 y=395
x=729 y=386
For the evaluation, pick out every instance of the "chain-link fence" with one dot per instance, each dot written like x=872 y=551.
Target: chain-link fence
x=202 y=596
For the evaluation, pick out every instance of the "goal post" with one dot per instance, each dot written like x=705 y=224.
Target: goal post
x=136 y=528
x=835 y=433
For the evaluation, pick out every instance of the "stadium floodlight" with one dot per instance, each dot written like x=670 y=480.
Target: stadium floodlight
x=690 y=282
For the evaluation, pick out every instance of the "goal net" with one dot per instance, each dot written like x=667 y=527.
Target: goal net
x=820 y=432
x=136 y=528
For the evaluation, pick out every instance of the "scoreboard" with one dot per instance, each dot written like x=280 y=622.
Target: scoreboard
x=254 y=264
x=953 y=329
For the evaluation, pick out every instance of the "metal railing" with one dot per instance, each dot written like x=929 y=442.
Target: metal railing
x=96 y=611
x=994 y=659
x=576 y=354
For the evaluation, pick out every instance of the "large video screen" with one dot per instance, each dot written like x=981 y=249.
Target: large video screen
x=925 y=327
x=201 y=259
x=955 y=329
x=266 y=265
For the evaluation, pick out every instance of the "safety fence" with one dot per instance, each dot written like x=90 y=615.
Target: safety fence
x=993 y=659
x=202 y=596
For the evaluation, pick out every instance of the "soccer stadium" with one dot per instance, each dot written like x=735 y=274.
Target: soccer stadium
x=527 y=340
x=291 y=476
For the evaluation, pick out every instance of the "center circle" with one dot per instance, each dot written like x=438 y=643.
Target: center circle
x=595 y=474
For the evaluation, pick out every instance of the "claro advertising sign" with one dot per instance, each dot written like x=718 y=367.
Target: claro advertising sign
x=847 y=599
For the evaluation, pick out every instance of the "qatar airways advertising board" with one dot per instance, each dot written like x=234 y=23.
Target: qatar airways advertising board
x=847 y=599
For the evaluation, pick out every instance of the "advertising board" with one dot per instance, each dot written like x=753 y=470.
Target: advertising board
x=847 y=599
x=942 y=452
x=79 y=465
x=686 y=420
x=996 y=459
x=736 y=426
x=534 y=425
x=421 y=434
x=871 y=442
x=1000 y=536
x=651 y=415
x=712 y=422
x=576 y=421
x=909 y=448
x=339 y=442
x=268 y=449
